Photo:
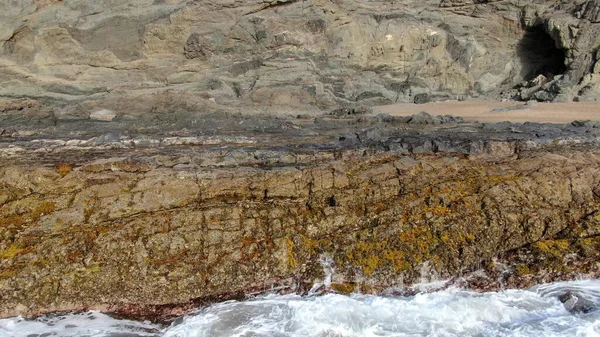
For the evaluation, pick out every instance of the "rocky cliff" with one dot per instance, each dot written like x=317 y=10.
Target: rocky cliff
x=74 y=57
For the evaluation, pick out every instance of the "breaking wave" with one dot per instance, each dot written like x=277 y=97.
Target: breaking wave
x=453 y=312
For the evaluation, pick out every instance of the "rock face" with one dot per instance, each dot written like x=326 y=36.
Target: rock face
x=75 y=57
x=151 y=225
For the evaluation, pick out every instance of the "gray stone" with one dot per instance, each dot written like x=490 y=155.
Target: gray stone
x=586 y=124
x=421 y=118
x=421 y=98
x=577 y=303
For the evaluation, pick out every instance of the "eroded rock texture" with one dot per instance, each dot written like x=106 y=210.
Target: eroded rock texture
x=76 y=56
x=151 y=226
x=136 y=176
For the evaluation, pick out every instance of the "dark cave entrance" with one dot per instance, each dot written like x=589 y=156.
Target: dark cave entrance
x=539 y=55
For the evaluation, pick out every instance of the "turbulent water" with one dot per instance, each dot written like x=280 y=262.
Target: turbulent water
x=535 y=312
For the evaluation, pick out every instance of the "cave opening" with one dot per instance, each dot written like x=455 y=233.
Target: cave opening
x=539 y=55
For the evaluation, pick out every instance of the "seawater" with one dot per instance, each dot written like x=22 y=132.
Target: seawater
x=536 y=312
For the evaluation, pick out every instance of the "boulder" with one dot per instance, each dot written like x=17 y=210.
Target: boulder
x=577 y=303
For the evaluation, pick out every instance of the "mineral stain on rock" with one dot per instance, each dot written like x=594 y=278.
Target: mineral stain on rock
x=167 y=226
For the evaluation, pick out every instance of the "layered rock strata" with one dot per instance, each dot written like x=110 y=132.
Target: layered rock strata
x=151 y=225
x=74 y=58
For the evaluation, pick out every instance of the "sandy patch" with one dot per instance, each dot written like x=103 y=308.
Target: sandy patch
x=481 y=111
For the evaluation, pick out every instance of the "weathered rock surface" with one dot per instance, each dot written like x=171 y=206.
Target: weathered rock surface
x=73 y=57
x=150 y=224
x=142 y=170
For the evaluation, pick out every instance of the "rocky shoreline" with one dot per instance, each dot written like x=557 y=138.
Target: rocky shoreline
x=151 y=224
x=157 y=155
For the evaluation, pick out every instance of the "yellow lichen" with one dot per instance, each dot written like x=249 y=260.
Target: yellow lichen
x=522 y=270
x=8 y=273
x=44 y=208
x=291 y=257
x=366 y=256
x=10 y=252
x=588 y=246
x=403 y=251
x=553 y=248
x=343 y=288
x=93 y=269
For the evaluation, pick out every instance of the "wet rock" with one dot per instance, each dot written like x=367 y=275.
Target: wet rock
x=576 y=303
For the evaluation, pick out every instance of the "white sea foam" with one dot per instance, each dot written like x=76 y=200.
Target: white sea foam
x=92 y=324
x=536 y=312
